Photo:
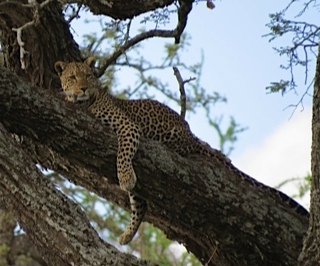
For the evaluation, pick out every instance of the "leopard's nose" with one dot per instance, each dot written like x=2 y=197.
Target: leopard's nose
x=84 y=88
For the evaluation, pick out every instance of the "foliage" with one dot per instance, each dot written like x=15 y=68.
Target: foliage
x=146 y=81
x=150 y=77
x=303 y=185
x=302 y=51
x=304 y=38
x=230 y=135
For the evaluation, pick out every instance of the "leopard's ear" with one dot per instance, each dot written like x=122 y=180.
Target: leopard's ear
x=90 y=61
x=59 y=66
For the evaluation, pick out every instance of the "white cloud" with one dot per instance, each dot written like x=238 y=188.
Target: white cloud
x=282 y=155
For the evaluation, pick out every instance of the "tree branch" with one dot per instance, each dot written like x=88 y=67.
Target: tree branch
x=215 y=206
x=15 y=246
x=122 y=9
x=50 y=29
x=55 y=224
x=183 y=98
x=21 y=43
x=183 y=11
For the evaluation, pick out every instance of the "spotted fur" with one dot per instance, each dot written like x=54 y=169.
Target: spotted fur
x=131 y=119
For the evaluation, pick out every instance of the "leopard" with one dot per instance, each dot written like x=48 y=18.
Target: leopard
x=131 y=120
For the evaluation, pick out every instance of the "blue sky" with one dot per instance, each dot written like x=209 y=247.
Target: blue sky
x=239 y=64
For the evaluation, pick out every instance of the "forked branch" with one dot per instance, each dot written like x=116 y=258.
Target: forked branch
x=36 y=7
x=183 y=11
x=183 y=98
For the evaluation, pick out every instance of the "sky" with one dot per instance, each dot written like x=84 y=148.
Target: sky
x=239 y=64
x=276 y=146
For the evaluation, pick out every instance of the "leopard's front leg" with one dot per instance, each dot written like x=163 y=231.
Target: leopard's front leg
x=128 y=141
x=138 y=210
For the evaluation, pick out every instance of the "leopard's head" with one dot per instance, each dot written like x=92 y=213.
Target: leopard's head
x=78 y=80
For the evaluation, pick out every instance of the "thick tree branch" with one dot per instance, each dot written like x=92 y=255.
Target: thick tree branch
x=216 y=210
x=183 y=11
x=55 y=224
x=219 y=215
x=15 y=247
x=122 y=9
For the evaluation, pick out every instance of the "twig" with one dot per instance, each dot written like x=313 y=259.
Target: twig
x=37 y=7
x=140 y=37
x=183 y=11
x=183 y=98
x=213 y=253
x=127 y=35
x=75 y=13
x=21 y=43
x=107 y=3
x=300 y=102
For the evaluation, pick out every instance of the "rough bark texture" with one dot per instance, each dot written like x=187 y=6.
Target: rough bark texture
x=124 y=9
x=55 y=224
x=15 y=249
x=221 y=217
x=46 y=41
x=310 y=254
x=216 y=212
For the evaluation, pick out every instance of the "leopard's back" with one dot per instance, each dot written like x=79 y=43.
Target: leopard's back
x=132 y=118
x=159 y=122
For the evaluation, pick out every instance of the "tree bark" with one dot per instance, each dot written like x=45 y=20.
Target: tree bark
x=124 y=9
x=15 y=248
x=45 y=42
x=217 y=212
x=310 y=254
x=57 y=226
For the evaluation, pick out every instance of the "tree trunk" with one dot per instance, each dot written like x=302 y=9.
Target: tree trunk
x=310 y=254
x=219 y=214
x=44 y=42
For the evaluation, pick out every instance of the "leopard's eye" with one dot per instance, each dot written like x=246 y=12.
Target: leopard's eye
x=72 y=78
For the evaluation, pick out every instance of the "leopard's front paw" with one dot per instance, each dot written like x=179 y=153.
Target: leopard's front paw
x=127 y=180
